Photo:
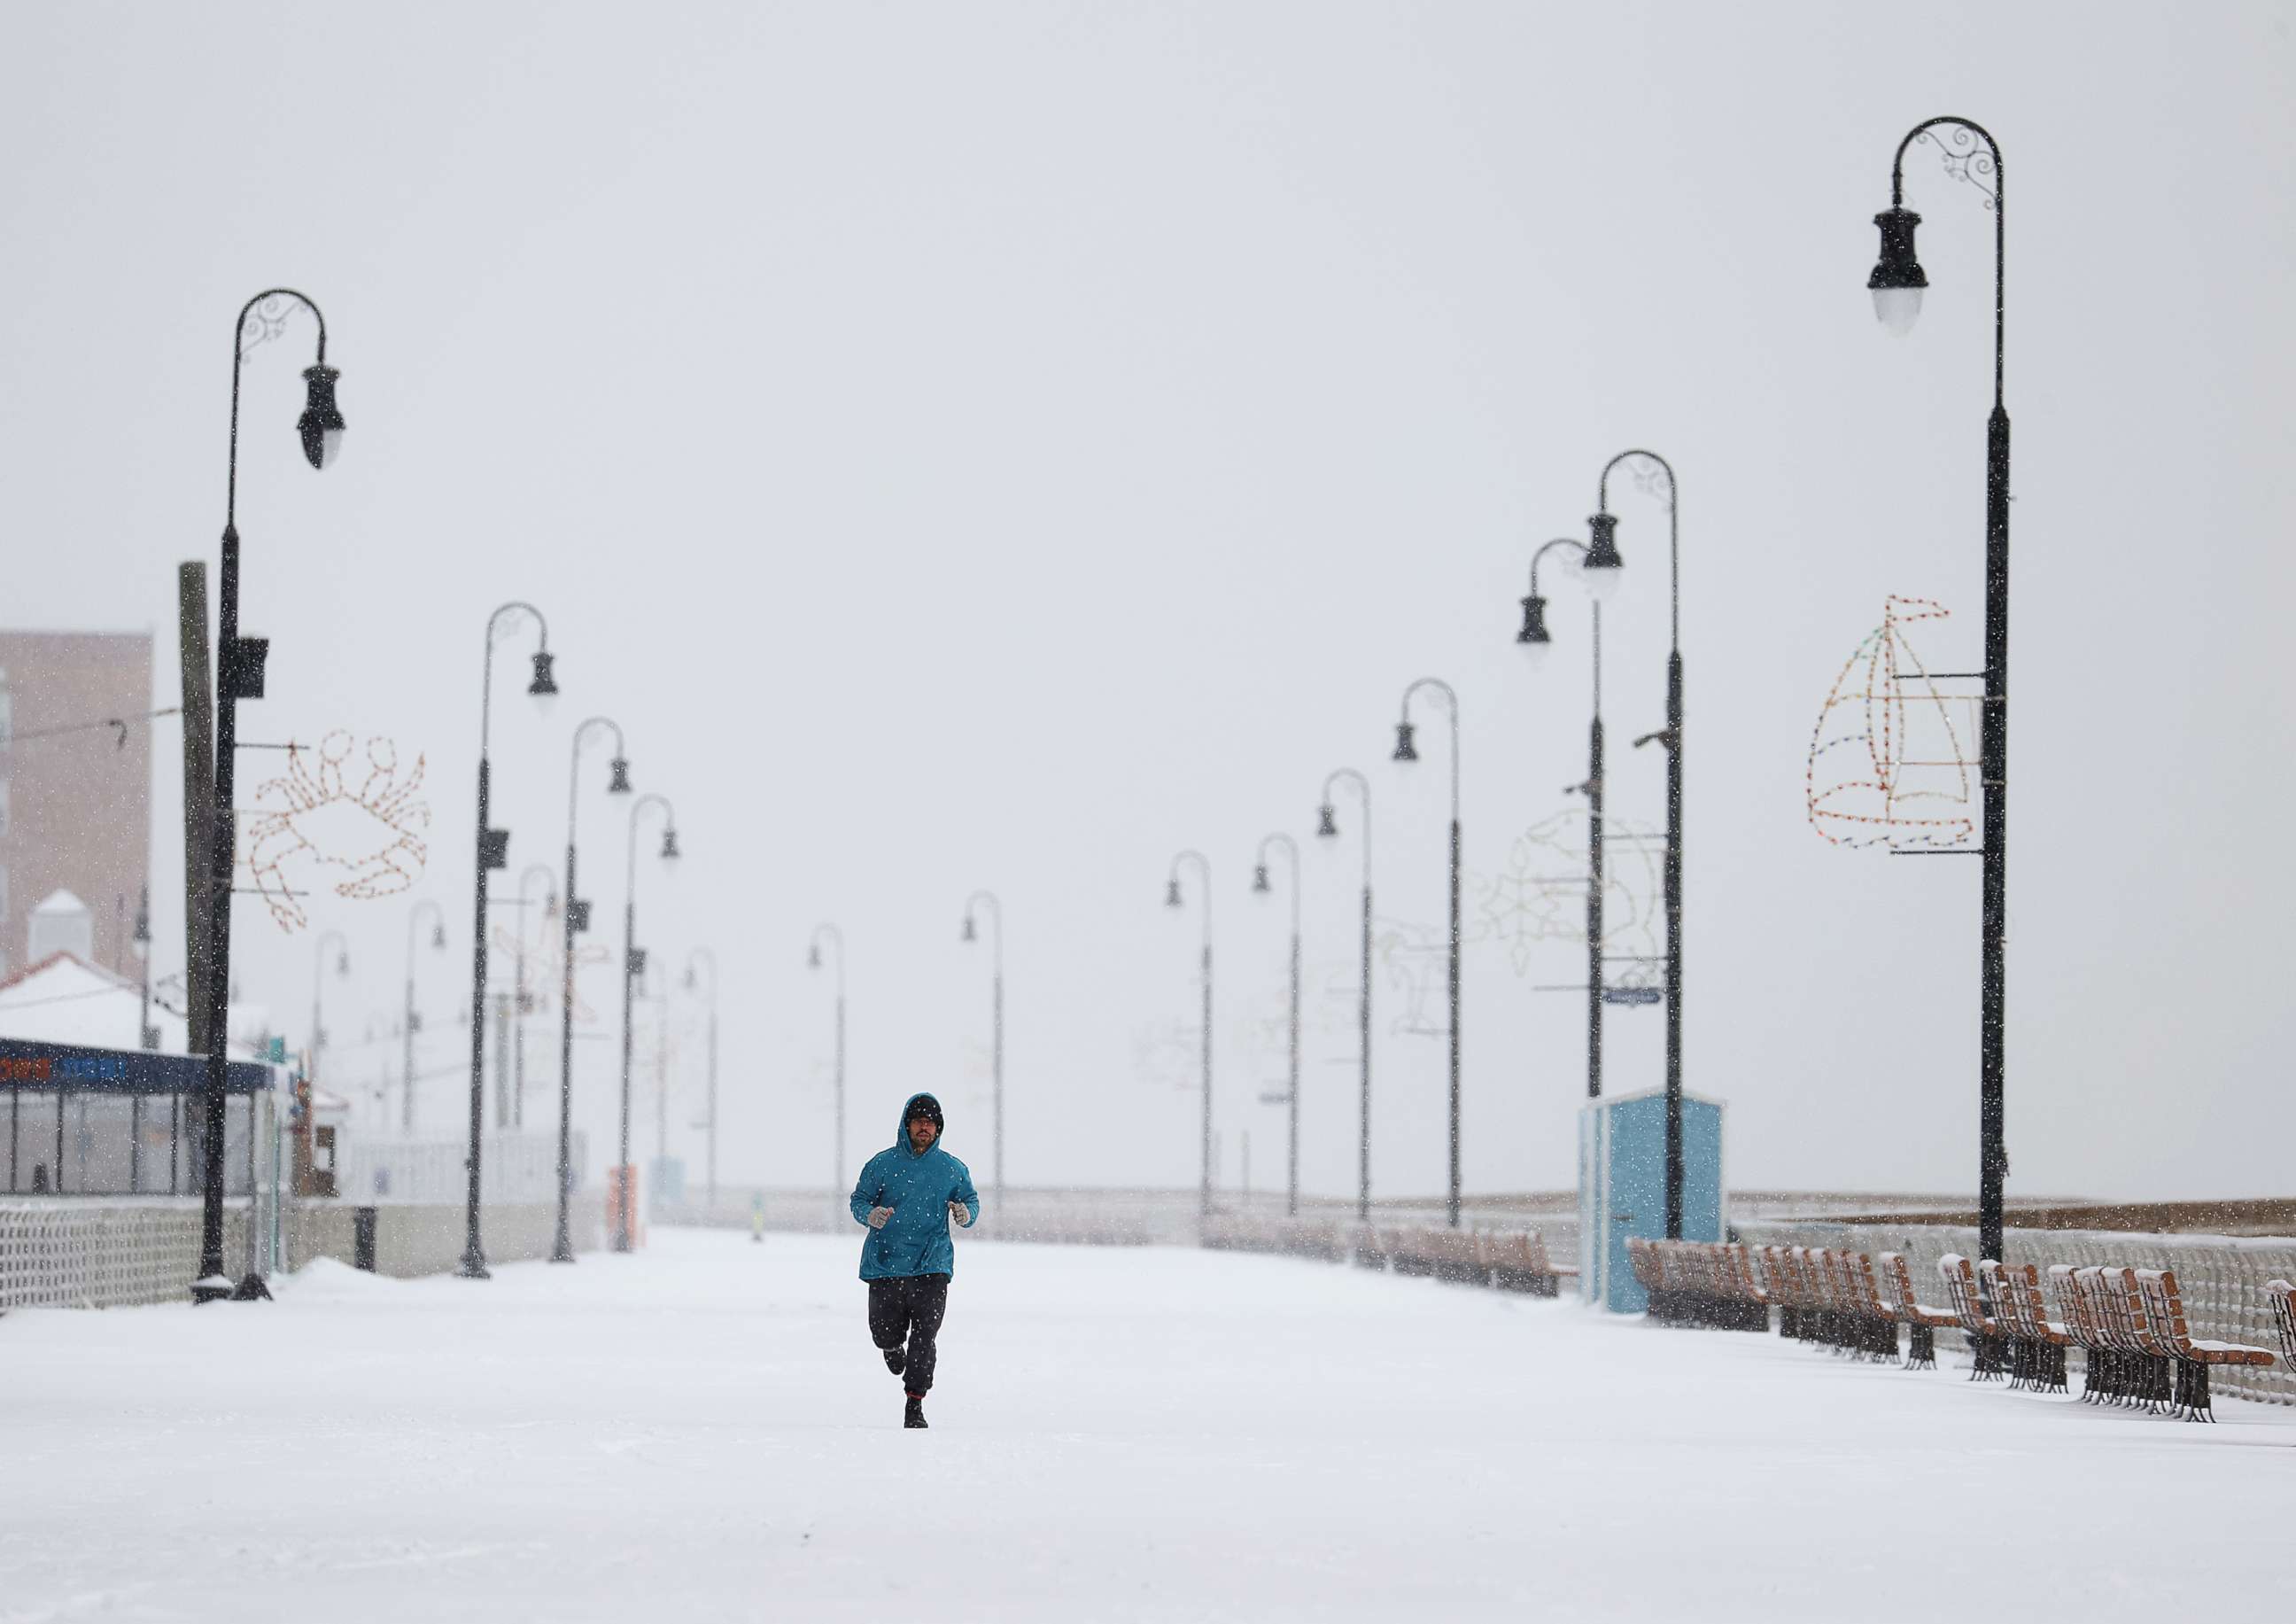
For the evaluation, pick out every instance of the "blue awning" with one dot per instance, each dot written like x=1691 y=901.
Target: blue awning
x=31 y=1067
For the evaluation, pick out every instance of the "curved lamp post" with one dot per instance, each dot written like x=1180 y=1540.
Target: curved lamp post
x=411 y=1022
x=493 y=852
x=704 y=956
x=239 y=675
x=1598 y=567
x=633 y=967
x=1327 y=828
x=996 y=1021
x=522 y=1000
x=1897 y=283
x=576 y=918
x=1407 y=751
x=1172 y=900
x=1292 y=1097
x=813 y=962
x=1653 y=473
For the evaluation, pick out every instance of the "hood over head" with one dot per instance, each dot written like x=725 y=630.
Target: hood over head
x=920 y=1105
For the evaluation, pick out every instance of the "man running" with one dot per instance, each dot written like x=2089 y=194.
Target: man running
x=908 y=1196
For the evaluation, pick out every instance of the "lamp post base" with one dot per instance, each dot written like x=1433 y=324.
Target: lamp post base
x=251 y=1289
x=564 y=1254
x=214 y=1288
x=473 y=1266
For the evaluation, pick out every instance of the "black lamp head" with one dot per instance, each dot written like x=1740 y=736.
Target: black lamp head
x=620 y=783
x=813 y=956
x=1898 y=278
x=343 y=962
x=669 y=851
x=1326 y=826
x=1534 y=622
x=1259 y=877
x=1405 y=749
x=970 y=934
x=143 y=920
x=690 y=982
x=1172 y=892
x=1603 y=543
x=438 y=935
x=544 y=685
x=322 y=422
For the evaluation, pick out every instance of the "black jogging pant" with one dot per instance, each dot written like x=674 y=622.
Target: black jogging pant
x=909 y=1309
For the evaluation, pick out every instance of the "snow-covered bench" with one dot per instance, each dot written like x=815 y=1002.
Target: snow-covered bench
x=1519 y=1262
x=2163 y=1308
x=2036 y=1343
x=1983 y=1331
x=1921 y=1322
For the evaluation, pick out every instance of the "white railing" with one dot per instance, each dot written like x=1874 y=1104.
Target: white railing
x=514 y=1170
x=68 y=1254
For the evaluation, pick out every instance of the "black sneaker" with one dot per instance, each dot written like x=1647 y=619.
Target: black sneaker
x=915 y=1415
x=897 y=1359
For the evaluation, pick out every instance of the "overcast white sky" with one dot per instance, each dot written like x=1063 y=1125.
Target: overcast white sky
x=999 y=445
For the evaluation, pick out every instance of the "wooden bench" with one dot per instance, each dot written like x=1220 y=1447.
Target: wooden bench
x=1706 y=1284
x=2163 y=1308
x=1520 y=1263
x=1921 y=1322
x=1984 y=1331
x=2036 y=1343
x=1785 y=1282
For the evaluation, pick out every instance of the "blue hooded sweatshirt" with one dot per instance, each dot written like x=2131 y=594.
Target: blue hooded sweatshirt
x=918 y=1188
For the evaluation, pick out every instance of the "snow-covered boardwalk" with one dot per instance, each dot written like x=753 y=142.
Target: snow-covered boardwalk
x=703 y=1432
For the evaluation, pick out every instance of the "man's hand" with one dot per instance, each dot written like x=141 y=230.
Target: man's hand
x=879 y=1216
x=960 y=1215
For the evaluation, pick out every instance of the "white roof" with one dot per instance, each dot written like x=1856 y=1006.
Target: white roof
x=61 y=902
x=63 y=999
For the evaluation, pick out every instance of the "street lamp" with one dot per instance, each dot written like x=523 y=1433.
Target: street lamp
x=414 y=1018
x=813 y=962
x=996 y=1021
x=1291 y=1098
x=239 y=675
x=493 y=852
x=1172 y=900
x=1648 y=469
x=1406 y=751
x=1533 y=637
x=634 y=966
x=1897 y=283
x=704 y=956
x=576 y=918
x=1327 y=828
x=523 y=1001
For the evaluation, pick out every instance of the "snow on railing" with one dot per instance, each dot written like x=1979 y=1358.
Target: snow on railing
x=2222 y=1277
x=73 y=1254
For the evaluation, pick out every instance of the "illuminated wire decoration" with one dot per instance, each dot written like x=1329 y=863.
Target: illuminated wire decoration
x=1542 y=895
x=337 y=813
x=1888 y=766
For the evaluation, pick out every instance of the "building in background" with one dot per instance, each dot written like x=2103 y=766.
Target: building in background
x=75 y=792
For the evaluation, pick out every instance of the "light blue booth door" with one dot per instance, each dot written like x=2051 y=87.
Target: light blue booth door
x=1636 y=1197
x=1622 y=1187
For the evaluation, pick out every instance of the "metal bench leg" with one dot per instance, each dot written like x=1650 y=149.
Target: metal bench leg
x=1921 y=1347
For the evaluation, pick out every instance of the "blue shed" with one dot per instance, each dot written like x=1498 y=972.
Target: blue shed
x=1622 y=1186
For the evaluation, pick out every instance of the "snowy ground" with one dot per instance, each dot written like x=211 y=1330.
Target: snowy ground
x=702 y=1433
